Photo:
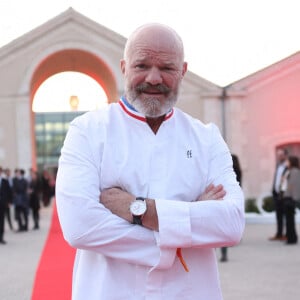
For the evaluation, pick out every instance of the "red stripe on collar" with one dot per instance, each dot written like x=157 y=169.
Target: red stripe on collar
x=169 y=114
x=140 y=117
x=131 y=113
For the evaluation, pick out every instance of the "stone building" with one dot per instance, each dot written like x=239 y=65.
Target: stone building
x=256 y=114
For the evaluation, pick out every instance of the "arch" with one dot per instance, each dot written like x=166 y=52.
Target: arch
x=78 y=61
x=293 y=148
x=75 y=60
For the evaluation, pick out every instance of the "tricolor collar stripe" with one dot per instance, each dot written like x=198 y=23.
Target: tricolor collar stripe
x=133 y=113
x=169 y=114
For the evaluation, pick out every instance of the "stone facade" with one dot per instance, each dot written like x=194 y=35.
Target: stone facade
x=263 y=114
x=255 y=115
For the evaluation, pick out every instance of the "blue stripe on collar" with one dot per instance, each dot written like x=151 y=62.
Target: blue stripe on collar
x=130 y=110
x=128 y=104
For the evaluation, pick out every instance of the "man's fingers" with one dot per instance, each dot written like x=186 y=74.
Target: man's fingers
x=213 y=193
x=219 y=195
x=209 y=189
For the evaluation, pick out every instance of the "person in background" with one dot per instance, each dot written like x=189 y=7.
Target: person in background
x=152 y=235
x=46 y=188
x=238 y=171
x=4 y=199
x=281 y=156
x=20 y=199
x=8 y=176
x=34 y=197
x=290 y=196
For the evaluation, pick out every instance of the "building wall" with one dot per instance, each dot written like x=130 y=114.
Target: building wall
x=264 y=113
x=69 y=36
x=258 y=114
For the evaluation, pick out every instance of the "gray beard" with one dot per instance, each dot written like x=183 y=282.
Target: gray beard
x=152 y=107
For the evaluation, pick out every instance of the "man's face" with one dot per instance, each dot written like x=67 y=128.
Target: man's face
x=153 y=72
x=281 y=156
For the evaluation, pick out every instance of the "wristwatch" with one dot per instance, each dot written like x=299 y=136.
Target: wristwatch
x=138 y=208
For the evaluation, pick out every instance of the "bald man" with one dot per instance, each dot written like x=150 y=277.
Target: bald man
x=161 y=178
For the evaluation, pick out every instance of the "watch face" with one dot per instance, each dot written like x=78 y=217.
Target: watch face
x=138 y=207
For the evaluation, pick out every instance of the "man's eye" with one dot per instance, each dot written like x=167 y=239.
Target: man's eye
x=168 y=69
x=141 y=66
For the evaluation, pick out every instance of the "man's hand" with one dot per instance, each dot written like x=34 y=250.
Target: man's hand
x=212 y=193
x=118 y=202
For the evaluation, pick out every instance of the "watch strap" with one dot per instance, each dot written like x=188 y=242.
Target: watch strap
x=137 y=220
x=140 y=198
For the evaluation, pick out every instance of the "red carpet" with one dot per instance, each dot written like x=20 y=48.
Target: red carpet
x=53 y=278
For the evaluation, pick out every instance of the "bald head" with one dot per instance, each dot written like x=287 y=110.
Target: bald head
x=153 y=68
x=157 y=35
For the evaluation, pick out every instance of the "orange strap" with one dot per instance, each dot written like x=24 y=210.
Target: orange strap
x=179 y=255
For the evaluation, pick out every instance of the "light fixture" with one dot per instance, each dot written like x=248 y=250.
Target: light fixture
x=74 y=102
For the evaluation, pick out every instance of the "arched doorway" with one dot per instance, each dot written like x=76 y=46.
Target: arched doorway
x=60 y=99
x=50 y=125
x=292 y=148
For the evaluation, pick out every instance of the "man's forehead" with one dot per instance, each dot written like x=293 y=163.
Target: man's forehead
x=155 y=38
x=163 y=53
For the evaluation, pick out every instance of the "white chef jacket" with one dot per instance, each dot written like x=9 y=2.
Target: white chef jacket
x=115 y=147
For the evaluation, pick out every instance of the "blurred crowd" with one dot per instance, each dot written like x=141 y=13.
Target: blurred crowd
x=21 y=197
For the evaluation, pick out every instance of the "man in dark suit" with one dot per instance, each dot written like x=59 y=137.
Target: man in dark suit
x=21 y=202
x=238 y=171
x=4 y=199
x=282 y=155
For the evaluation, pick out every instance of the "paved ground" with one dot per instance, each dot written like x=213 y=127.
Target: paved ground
x=257 y=268
x=261 y=270
x=19 y=259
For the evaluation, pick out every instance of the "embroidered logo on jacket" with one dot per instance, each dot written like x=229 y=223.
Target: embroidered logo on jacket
x=189 y=153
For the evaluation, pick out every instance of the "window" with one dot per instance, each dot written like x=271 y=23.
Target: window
x=50 y=132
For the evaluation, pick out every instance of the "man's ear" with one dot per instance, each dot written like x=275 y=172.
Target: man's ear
x=122 y=65
x=184 y=69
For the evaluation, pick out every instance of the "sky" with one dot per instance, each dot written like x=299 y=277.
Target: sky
x=225 y=40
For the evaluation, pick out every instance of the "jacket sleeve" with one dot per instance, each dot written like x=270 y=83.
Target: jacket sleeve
x=211 y=223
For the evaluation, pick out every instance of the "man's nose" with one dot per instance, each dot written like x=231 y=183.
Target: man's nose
x=154 y=76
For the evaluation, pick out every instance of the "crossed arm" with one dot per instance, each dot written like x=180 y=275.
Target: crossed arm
x=118 y=202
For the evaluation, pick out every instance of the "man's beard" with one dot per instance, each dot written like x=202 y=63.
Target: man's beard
x=151 y=106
